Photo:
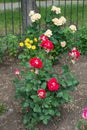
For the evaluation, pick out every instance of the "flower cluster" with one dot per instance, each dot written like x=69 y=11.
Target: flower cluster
x=28 y=43
x=34 y=16
x=46 y=43
x=60 y=21
x=56 y=9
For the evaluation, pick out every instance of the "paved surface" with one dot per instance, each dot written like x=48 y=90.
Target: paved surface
x=42 y=3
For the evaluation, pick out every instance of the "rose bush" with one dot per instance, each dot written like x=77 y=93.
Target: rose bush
x=40 y=90
x=82 y=124
x=56 y=38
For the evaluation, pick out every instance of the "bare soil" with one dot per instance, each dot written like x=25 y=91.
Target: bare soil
x=70 y=112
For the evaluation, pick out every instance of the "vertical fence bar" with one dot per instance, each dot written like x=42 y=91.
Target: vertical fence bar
x=65 y=8
x=12 y=16
x=20 y=23
x=71 y=13
x=5 y=18
x=45 y=11
x=59 y=3
x=83 y=11
x=77 y=12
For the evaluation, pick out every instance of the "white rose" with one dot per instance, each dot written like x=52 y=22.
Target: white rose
x=31 y=13
x=35 y=17
x=57 y=22
x=48 y=33
x=56 y=9
x=73 y=28
x=63 y=44
x=62 y=19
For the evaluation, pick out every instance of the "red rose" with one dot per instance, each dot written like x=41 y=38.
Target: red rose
x=53 y=85
x=36 y=63
x=41 y=93
x=74 y=53
x=43 y=37
x=47 y=44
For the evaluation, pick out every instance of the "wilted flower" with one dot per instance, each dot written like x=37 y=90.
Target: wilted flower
x=73 y=28
x=48 y=33
x=36 y=63
x=53 y=85
x=63 y=44
x=41 y=93
x=56 y=9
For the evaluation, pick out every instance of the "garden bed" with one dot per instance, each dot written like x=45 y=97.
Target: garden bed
x=71 y=112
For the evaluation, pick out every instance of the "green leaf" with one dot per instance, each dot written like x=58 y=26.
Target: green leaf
x=37 y=108
x=60 y=94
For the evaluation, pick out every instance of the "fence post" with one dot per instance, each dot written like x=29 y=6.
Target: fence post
x=26 y=6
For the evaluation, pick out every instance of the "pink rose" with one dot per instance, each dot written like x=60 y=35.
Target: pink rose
x=74 y=53
x=84 y=114
x=17 y=72
x=36 y=63
x=53 y=85
x=41 y=93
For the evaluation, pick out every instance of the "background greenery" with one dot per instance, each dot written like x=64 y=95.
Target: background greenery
x=17 y=21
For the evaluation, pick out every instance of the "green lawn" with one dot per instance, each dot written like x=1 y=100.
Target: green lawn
x=1 y=1
x=17 y=22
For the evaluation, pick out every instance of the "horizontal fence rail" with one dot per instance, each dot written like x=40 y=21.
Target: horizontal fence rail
x=13 y=19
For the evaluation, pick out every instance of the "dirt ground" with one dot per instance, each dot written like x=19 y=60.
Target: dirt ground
x=70 y=113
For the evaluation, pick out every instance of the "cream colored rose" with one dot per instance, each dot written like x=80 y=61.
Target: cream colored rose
x=62 y=19
x=35 y=17
x=31 y=13
x=63 y=44
x=56 y=9
x=48 y=33
x=73 y=28
x=57 y=22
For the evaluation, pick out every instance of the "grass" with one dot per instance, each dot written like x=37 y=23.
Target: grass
x=2 y=109
x=2 y=1
x=17 y=22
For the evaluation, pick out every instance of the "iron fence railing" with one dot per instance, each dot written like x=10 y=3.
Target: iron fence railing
x=11 y=14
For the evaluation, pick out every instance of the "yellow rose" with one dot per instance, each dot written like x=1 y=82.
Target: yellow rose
x=31 y=42
x=26 y=43
x=33 y=47
x=27 y=40
x=35 y=39
x=21 y=44
x=28 y=46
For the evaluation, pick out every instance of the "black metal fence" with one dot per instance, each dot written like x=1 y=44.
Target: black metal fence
x=11 y=14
